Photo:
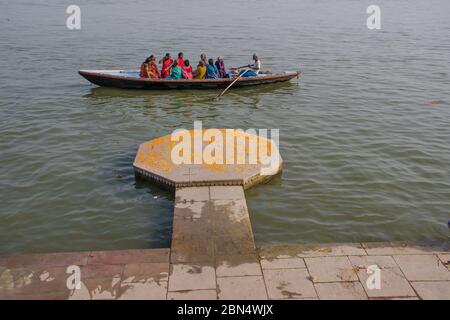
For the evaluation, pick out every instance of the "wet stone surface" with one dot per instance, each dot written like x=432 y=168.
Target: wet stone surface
x=148 y=274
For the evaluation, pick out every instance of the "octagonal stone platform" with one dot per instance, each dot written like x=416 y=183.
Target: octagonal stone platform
x=245 y=166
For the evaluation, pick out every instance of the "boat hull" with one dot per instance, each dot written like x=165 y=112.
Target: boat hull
x=114 y=79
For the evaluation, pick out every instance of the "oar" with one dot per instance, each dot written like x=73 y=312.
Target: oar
x=234 y=81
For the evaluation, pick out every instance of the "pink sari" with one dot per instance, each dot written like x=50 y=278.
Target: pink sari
x=187 y=73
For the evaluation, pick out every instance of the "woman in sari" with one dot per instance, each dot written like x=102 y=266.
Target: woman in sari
x=220 y=65
x=144 y=69
x=211 y=70
x=187 y=70
x=180 y=60
x=175 y=72
x=201 y=70
x=153 y=72
x=167 y=62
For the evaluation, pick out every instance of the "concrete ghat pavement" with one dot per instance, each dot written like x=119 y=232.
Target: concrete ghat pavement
x=327 y=271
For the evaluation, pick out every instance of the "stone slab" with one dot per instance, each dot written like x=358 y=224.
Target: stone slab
x=38 y=296
x=432 y=290
x=231 y=193
x=289 y=284
x=392 y=281
x=191 y=277
x=241 y=288
x=286 y=263
x=242 y=265
x=340 y=291
x=362 y=262
x=331 y=250
x=129 y=256
x=311 y=250
x=401 y=298
x=45 y=260
x=330 y=269
x=192 y=220
x=192 y=194
x=192 y=295
x=101 y=271
x=192 y=250
x=378 y=248
x=406 y=247
x=145 y=272
x=143 y=290
x=32 y=280
x=422 y=267
x=230 y=218
x=233 y=246
x=97 y=289
x=445 y=258
x=271 y=252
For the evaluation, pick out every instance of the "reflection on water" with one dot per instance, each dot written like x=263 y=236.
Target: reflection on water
x=206 y=95
x=186 y=101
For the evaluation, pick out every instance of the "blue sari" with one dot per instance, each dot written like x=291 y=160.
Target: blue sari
x=212 y=72
x=248 y=73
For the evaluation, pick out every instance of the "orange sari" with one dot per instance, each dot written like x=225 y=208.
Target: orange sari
x=153 y=71
x=144 y=71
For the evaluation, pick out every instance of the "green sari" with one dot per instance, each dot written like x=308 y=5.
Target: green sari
x=175 y=73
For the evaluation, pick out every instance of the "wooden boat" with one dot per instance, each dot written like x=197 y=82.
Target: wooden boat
x=131 y=80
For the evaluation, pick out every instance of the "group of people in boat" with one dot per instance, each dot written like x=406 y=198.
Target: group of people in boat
x=180 y=68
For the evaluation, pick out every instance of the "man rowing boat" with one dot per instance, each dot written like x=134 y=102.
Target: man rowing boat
x=252 y=70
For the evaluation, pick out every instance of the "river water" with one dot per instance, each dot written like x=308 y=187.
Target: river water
x=364 y=134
